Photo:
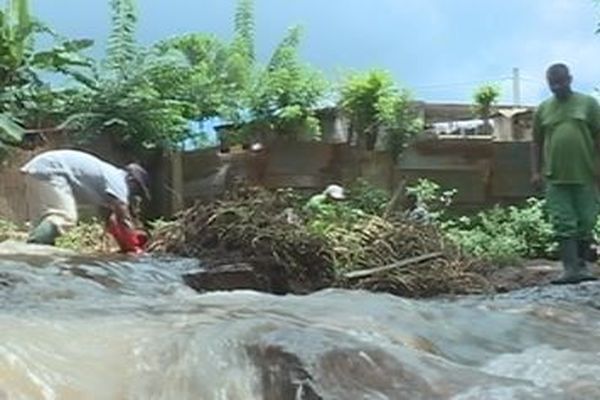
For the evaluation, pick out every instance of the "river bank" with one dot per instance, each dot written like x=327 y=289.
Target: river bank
x=267 y=241
x=261 y=240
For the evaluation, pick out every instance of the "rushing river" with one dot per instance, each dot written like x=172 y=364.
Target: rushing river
x=77 y=328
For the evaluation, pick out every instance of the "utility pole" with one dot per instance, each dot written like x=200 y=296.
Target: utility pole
x=516 y=78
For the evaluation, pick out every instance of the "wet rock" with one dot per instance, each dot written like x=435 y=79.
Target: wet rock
x=288 y=372
x=370 y=373
x=226 y=277
x=282 y=374
x=237 y=276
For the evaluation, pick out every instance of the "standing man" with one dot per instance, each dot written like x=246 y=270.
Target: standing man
x=565 y=153
x=58 y=180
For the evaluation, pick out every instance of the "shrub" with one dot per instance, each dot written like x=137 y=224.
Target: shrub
x=505 y=235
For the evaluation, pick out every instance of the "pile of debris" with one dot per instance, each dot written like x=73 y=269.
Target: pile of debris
x=260 y=239
x=248 y=236
x=404 y=258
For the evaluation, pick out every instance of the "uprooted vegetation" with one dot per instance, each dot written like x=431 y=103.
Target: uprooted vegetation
x=337 y=247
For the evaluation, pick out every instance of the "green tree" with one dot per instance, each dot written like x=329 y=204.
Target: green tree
x=206 y=80
x=280 y=97
x=25 y=98
x=374 y=104
x=133 y=98
x=286 y=92
x=122 y=45
x=485 y=98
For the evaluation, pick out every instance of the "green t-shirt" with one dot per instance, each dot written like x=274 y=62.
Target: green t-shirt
x=569 y=129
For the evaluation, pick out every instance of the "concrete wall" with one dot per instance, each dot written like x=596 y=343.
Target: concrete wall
x=306 y=166
x=483 y=171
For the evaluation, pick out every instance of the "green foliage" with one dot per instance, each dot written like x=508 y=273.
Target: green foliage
x=137 y=98
x=206 y=79
x=25 y=99
x=374 y=103
x=10 y=230
x=285 y=94
x=484 y=98
x=133 y=111
x=10 y=132
x=505 y=235
x=500 y=248
x=20 y=63
x=122 y=49
x=148 y=101
x=402 y=126
x=86 y=237
x=367 y=198
x=432 y=197
x=244 y=30
x=502 y=235
x=344 y=223
x=241 y=57
x=334 y=222
x=16 y=29
x=279 y=98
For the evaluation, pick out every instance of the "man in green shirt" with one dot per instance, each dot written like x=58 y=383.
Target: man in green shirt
x=565 y=154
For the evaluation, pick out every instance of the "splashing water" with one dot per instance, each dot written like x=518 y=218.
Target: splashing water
x=116 y=328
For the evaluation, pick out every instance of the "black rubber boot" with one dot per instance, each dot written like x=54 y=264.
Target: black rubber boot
x=575 y=267
x=45 y=233
x=586 y=252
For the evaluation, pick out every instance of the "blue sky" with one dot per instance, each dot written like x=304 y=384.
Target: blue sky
x=439 y=49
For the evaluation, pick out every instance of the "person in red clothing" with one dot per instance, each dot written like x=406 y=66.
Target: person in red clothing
x=129 y=240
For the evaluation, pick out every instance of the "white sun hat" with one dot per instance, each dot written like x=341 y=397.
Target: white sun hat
x=335 y=192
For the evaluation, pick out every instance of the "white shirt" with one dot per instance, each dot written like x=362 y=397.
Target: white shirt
x=92 y=180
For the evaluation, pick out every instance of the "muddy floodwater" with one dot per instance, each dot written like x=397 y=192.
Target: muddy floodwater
x=115 y=328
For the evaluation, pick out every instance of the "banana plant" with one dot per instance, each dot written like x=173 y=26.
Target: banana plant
x=21 y=86
x=10 y=131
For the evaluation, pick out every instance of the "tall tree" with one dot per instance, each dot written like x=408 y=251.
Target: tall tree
x=375 y=105
x=204 y=79
x=132 y=98
x=122 y=45
x=244 y=30
x=279 y=97
x=286 y=92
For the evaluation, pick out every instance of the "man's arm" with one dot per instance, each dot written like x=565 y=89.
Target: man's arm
x=537 y=146
x=121 y=211
x=594 y=125
x=537 y=157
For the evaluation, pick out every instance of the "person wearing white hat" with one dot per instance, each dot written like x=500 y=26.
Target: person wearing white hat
x=59 y=180
x=331 y=194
